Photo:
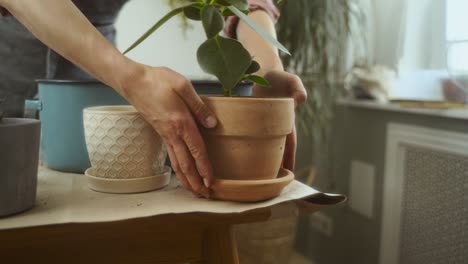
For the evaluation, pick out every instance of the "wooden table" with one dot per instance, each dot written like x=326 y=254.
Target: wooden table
x=72 y=224
x=172 y=238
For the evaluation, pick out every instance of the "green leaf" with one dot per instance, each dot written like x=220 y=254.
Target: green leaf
x=239 y=4
x=213 y=21
x=258 y=29
x=192 y=12
x=258 y=80
x=225 y=58
x=223 y=2
x=155 y=27
x=226 y=12
x=254 y=67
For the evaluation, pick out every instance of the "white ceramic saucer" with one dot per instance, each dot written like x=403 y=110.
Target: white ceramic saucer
x=134 y=185
x=251 y=190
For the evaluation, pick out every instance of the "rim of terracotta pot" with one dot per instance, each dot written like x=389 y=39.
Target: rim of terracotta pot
x=112 y=110
x=256 y=98
x=194 y=81
x=239 y=116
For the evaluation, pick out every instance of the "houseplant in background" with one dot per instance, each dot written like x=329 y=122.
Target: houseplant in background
x=19 y=157
x=247 y=146
x=335 y=33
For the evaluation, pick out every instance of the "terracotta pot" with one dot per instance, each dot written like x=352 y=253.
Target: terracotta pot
x=248 y=143
x=121 y=144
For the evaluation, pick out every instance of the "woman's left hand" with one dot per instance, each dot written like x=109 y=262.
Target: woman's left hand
x=284 y=84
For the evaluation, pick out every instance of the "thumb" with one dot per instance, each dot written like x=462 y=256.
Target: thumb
x=202 y=113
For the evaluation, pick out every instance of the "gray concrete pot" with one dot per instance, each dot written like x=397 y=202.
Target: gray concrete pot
x=19 y=156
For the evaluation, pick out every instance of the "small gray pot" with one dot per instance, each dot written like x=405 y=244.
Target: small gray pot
x=19 y=157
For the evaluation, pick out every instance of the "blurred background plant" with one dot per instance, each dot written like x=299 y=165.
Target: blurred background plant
x=1 y=110
x=326 y=39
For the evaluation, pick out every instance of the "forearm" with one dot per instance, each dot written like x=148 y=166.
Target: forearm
x=62 y=27
x=262 y=51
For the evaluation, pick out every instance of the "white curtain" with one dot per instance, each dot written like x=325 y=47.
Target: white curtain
x=406 y=35
x=384 y=20
x=423 y=36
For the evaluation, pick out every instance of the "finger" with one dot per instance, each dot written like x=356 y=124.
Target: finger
x=182 y=180
x=286 y=84
x=289 y=158
x=196 y=146
x=297 y=89
x=176 y=168
x=203 y=114
x=187 y=166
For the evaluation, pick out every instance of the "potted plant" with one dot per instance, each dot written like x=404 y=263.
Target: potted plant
x=19 y=157
x=247 y=146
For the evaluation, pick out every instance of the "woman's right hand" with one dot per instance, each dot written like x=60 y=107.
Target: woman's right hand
x=169 y=103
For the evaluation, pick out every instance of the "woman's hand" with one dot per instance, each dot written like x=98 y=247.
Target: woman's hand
x=169 y=103
x=285 y=84
x=165 y=98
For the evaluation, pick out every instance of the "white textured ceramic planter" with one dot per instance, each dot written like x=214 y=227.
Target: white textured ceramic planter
x=122 y=145
x=133 y=185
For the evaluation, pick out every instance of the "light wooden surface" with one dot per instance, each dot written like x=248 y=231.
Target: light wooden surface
x=190 y=237
x=65 y=198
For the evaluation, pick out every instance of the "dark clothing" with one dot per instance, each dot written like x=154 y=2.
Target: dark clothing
x=23 y=58
x=97 y=11
x=100 y=11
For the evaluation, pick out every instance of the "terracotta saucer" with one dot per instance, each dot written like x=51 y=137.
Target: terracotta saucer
x=134 y=185
x=251 y=191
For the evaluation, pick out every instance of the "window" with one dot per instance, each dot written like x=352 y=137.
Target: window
x=457 y=40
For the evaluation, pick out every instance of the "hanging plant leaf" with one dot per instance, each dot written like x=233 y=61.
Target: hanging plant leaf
x=258 y=29
x=254 y=67
x=1 y=112
x=239 y=4
x=155 y=27
x=225 y=58
x=258 y=80
x=192 y=12
x=213 y=21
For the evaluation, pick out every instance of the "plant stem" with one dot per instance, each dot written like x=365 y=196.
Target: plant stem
x=227 y=92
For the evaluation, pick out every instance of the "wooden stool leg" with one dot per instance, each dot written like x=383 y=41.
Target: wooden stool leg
x=220 y=246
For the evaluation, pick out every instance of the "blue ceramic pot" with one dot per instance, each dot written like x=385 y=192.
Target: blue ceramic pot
x=60 y=106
